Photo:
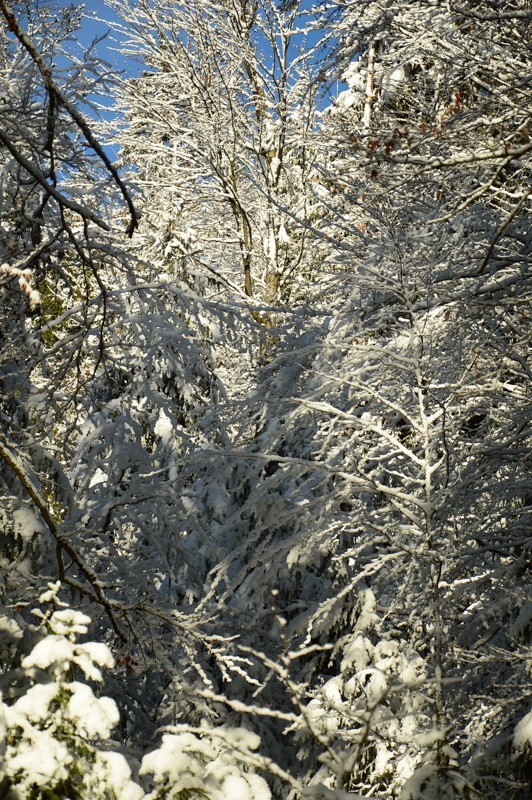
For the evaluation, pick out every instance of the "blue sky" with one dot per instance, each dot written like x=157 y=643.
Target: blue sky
x=98 y=21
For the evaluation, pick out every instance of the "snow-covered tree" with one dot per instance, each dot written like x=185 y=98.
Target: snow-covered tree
x=393 y=447
x=52 y=721
x=54 y=248
x=219 y=128
x=55 y=731
x=314 y=566
x=103 y=384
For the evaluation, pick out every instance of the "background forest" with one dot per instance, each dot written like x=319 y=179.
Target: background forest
x=265 y=421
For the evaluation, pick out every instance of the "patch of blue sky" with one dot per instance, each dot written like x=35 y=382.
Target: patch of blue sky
x=102 y=34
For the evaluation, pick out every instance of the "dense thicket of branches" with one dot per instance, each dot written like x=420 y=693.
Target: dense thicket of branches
x=265 y=402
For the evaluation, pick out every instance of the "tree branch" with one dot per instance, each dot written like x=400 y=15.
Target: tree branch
x=62 y=543
x=61 y=100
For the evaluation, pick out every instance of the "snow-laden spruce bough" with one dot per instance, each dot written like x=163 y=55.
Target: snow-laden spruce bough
x=55 y=731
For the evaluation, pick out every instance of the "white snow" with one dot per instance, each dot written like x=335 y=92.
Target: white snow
x=111 y=771
x=164 y=427
x=94 y=716
x=40 y=759
x=173 y=761
x=54 y=649
x=26 y=524
x=34 y=705
x=523 y=734
x=357 y=653
x=68 y=621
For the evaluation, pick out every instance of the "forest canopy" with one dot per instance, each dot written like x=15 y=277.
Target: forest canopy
x=265 y=421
